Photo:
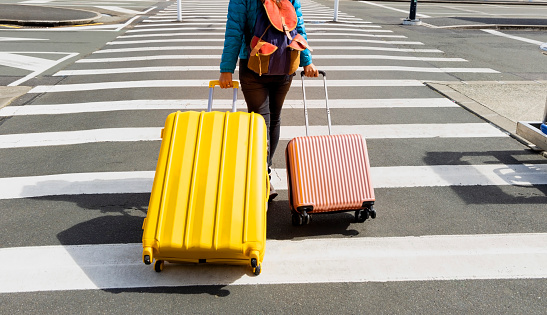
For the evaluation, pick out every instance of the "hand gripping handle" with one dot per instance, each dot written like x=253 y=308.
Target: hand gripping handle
x=212 y=85
x=326 y=100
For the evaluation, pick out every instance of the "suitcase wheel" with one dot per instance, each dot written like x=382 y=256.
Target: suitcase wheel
x=299 y=219
x=363 y=214
x=296 y=219
x=372 y=213
x=147 y=259
x=158 y=265
x=257 y=270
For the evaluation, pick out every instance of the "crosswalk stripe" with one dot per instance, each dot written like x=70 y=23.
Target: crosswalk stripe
x=201 y=104
x=399 y=131
x=19 y=39
x=315 y=57
x=24 y=62
x=394 y=9
x=381 y=177
x=207 y=24
x=315 y=48
x=118 y=9
x=309 y=30
x=381 y=259
x=88 y=72
x=222 y=34
x=203 y=83
x=221 y=40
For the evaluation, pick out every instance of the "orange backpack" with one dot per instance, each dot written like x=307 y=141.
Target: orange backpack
x=276 y=45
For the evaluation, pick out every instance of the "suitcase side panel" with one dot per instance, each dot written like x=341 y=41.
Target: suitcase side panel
x=231 y=194
x=330 y=173
x=215 y=193
x=205 y=183
x=254 y=236
x=176 y=153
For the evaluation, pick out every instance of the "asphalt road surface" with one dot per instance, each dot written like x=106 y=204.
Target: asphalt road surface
x=461 y=226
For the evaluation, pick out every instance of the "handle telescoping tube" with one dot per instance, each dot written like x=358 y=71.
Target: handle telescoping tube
x=326 y=101
x=212 y=85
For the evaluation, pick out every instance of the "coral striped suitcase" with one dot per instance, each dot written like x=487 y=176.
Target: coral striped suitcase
x=210 y=191
x=328 y=173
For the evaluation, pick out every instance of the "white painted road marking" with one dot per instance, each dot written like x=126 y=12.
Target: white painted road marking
x=394 y=9
x=38 y=65
x=382 y=177
x=210 y=48
x=118 y=9
x=24 y=62
x=399 y=131
x=379 y=259
x=522 y=39
x=19 y=39
x=26 y=140
x=203 y=83
x=217 y=57
x=221 y=40
x=222 y=34
x=201 y=104
x=110 y=70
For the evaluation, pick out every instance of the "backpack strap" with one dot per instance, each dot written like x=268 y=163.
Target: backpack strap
x=281 y=14
x=286 y=28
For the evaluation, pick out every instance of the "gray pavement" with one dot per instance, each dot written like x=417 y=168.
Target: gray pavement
x=407 y=212
x=502 y=103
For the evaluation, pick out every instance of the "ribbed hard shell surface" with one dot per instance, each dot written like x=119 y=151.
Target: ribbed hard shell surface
x=330 y=173
x=209 y=195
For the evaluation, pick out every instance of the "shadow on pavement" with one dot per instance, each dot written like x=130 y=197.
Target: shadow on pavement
x=496 y=194
x=215 y=290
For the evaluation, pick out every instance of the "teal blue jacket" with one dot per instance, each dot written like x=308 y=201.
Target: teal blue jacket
x=242 y=15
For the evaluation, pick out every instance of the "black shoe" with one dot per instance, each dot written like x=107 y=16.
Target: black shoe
x=273 y=193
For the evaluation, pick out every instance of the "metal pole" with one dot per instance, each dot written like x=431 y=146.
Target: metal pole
x=543 y=48
x=411 y=20
x=413 y=4
x=336 y=10
x=179 y=9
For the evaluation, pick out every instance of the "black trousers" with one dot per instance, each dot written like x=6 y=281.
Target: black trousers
x=265 y=95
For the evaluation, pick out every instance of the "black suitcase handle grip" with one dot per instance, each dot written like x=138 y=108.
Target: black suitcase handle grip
x=320 y=72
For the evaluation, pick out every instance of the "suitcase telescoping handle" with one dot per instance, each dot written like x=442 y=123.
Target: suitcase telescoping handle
x=212 y=85
x=326 y=100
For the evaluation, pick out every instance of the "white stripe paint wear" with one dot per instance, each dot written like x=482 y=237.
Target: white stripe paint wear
x=423 y=258
x=205 y=83
x=200 y=104
x=381 y=177
x=205 y=57
x=106 y=71
x=400 y=131
x=519 y=38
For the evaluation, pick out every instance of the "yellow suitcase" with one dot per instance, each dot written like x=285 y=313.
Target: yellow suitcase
x=210 y=193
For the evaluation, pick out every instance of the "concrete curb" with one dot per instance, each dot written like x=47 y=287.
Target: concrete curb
x=9 y=93
x=504 y=123
x=490 y=26
x=32 y=15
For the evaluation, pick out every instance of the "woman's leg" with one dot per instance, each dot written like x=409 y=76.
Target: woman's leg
x=277 y=92
x=265 y=95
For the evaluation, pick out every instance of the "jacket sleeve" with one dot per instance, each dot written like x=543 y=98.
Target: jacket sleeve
x=233 y=37
x=305 y=55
